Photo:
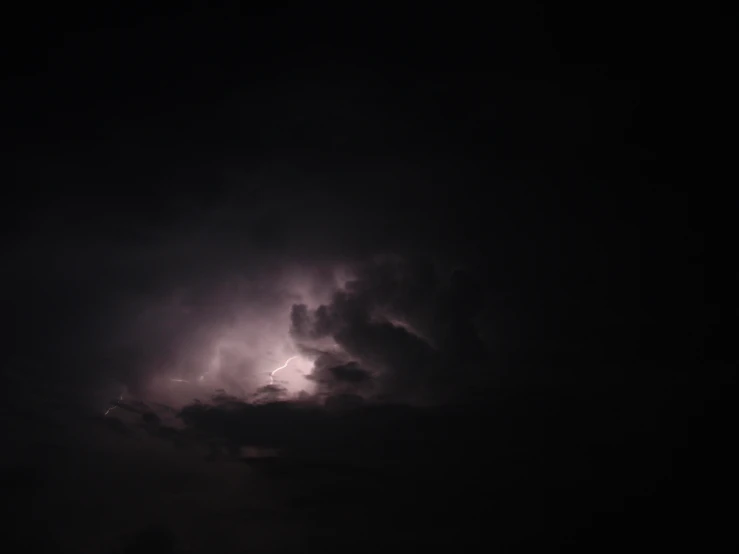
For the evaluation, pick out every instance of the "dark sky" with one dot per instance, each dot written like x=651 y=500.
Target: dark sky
x=464 y=230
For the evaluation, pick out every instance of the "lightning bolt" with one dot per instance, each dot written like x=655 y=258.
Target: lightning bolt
x=283 y=366
x=114 y=405
x=212 y=365
x=180 y=380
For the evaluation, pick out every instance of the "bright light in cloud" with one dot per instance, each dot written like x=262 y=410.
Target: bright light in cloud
x=283 y=366
x=241 y=368
x=233 y=337
x=242 y=342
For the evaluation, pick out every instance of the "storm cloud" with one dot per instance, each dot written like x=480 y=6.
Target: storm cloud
x=404 y=326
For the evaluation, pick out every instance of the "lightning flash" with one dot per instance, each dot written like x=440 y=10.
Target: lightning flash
x=114 y=405
x=283 y=366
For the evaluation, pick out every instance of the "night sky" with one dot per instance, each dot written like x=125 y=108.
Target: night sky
x=306 y=279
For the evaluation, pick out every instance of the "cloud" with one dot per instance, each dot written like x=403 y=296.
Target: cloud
x=344 y=429
x=399 y=325
x=349 y=373
x=334 y=376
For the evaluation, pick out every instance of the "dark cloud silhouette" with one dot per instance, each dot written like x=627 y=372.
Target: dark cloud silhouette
x=116 y=425
x=150 y=418
x=334 y=377
x=343 y=428
x=349 y=373
x=412 y=331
